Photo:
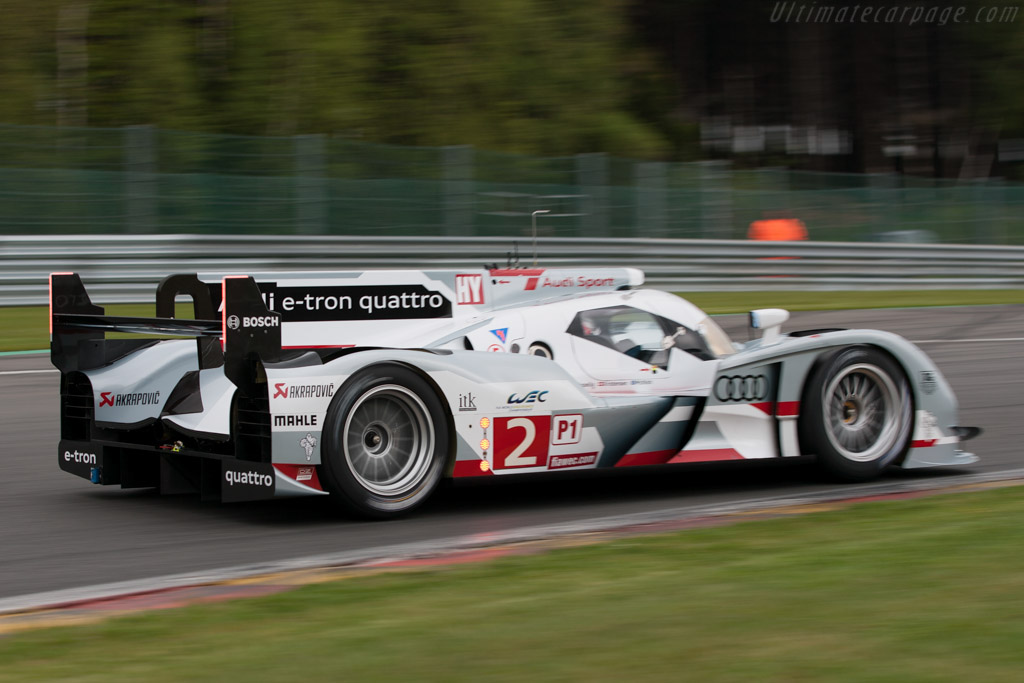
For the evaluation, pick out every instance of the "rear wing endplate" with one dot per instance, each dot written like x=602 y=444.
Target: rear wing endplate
x=245 y=332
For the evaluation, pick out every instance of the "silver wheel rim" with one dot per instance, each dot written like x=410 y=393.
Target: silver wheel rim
x=862 y=419
x=388 y=440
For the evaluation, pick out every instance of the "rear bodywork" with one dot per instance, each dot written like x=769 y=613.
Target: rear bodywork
x=233 y=405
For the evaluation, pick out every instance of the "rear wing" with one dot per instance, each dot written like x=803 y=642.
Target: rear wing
x=245 y=331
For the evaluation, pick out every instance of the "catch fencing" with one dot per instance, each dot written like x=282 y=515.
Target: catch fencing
x=141 y=180
x=118 y=268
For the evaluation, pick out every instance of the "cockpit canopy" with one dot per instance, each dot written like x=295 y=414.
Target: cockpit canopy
x=638 y=334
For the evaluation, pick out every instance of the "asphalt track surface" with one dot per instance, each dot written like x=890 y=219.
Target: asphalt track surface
x=60 y=532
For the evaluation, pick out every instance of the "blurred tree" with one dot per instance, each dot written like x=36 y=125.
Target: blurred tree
x=143 y=65
x=637 y=78
x=539 y=76
x=28 y=62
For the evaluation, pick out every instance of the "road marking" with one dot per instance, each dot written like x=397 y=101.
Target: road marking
x=968 y=341
x=26 y=372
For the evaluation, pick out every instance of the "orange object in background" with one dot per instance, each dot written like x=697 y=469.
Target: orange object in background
x=778 y=230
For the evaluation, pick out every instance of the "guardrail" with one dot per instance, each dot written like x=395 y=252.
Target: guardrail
x=118 y=268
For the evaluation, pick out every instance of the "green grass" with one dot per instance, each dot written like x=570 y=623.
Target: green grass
x=921 y=590
x=26 y=327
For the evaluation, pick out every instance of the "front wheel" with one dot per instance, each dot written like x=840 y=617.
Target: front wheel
x=857 y=413
x=385 y=442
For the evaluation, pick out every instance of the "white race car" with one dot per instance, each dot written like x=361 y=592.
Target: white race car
x=372 y=386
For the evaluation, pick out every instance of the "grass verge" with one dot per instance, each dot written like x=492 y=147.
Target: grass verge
x=26 y=327
x=922 y=590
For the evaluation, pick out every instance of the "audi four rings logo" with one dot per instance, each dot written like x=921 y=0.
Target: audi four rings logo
x=741 y=388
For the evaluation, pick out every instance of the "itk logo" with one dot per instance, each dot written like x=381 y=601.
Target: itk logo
x=467 y=403
x=501 y=334
x=469 y=289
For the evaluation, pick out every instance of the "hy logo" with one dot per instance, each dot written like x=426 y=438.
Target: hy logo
x=469 y=289
x=501 y=334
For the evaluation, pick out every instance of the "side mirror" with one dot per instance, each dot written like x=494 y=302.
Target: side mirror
x=770 y=321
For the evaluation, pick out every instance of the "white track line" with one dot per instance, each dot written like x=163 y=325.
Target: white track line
x=26 y=372
x=968 y=341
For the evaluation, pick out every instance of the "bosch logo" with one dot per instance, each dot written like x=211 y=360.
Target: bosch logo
x=741 y=388
x=256 y=321
x=233 y=322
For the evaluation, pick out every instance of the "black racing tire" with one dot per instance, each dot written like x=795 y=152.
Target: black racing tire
x=385 y=442
x=857 y=413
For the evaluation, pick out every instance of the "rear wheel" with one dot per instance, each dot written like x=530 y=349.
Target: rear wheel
x=385 y=442
x=857 y=413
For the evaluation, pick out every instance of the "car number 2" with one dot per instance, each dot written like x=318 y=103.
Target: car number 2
x=521 y=441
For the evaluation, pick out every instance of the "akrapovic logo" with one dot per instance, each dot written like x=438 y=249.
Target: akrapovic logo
x=80 y=457
x=249 y=478
x=109 y=399
x=285 y=390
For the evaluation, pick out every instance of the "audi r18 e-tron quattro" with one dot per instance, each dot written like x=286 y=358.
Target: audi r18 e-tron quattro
x=370 y=387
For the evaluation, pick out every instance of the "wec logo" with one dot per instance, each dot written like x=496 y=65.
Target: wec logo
x=530 y=397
